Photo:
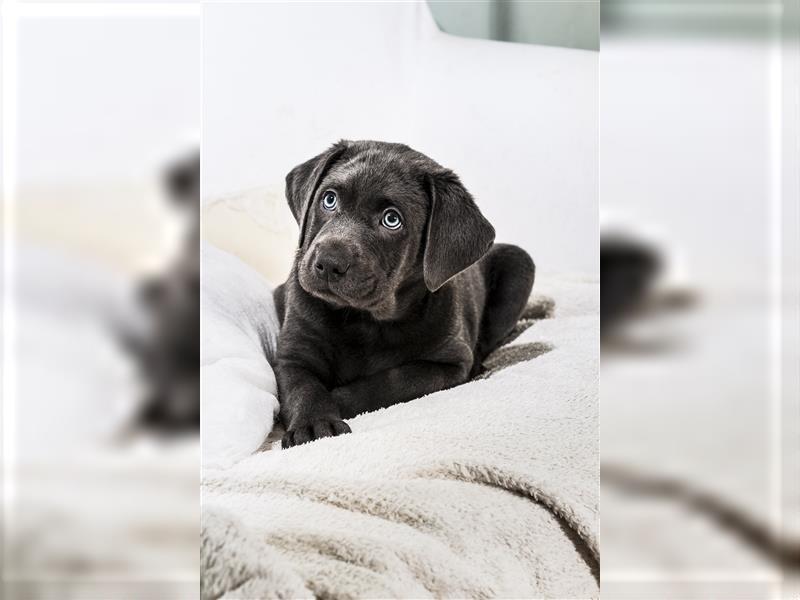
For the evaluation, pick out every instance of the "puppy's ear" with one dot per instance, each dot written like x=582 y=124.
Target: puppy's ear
x=303 y=180
x=458 y=234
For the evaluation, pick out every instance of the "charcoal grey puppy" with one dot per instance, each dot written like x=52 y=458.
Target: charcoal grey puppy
x=396 y=291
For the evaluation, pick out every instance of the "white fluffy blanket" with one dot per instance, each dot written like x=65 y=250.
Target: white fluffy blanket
x=489 y=489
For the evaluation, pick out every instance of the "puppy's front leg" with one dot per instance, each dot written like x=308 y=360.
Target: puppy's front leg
x=396 y=385
x=307 y=409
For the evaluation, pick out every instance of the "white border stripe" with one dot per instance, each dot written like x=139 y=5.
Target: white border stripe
x=775 y=158
x=9 y=261
x=106 y=9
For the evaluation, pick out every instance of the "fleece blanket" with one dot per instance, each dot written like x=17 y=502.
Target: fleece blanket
x=485 y=490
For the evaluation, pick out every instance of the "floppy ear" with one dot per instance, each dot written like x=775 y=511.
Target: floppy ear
x=303 y=180
x=458 y=234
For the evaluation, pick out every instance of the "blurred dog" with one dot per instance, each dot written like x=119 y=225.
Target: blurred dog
x=628 y=269
x=397 y=289
x=169 y=357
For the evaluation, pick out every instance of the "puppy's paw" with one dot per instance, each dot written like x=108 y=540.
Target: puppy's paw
x=308 y=432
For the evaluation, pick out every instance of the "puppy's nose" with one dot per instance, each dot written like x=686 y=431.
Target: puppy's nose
x=332 y=263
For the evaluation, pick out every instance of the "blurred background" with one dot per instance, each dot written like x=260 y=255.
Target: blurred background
x=699 y=373
x=101 y=106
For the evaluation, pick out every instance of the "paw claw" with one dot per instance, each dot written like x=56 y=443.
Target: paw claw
x=316 y=429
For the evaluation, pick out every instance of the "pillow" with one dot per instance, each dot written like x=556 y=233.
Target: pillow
x=239 y=329
x=257 y=226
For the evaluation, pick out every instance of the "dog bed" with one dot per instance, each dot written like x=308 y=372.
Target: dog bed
x=488 y=489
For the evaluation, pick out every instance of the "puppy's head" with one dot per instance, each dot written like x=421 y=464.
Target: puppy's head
x=377 y=219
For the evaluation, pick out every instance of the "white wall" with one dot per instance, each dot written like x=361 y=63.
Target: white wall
x=517 y=122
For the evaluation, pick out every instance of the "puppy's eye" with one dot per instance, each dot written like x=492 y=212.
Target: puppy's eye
x=391 y=219
x=329 y=200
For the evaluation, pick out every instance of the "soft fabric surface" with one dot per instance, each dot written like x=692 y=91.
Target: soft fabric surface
x=238 y=335
x=485 y=490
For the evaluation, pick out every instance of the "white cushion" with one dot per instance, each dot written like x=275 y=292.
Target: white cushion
x=239 y=328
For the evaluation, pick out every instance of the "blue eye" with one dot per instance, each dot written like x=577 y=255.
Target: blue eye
x=391 y=219
x=329 y=200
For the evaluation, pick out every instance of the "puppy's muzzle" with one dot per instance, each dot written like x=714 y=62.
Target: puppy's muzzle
x=332 y=261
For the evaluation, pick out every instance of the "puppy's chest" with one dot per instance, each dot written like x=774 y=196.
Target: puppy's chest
x=363 y=350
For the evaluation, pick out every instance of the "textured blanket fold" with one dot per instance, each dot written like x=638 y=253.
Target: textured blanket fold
x=484 y=490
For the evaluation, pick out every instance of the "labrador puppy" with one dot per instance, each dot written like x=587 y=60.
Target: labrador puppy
x=397 y=289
